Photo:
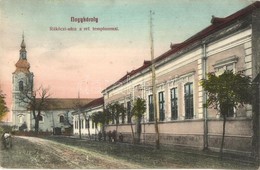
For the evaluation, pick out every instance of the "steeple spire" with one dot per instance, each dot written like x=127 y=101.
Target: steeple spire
x=22 y=64
x=23 y=43
x=23 y=50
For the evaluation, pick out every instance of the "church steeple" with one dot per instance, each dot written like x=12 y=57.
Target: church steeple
x=22 y=82
x=22 y=64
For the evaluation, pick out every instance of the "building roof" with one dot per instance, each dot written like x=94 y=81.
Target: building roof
x=216 y=24
x=22 y=66
x=66 y=104
x=95 y=103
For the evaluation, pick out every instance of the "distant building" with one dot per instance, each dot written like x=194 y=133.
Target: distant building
x=230 y=43
x=82 y=120
x=56 y=117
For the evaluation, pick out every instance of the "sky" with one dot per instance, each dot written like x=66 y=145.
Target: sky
x=68 y=62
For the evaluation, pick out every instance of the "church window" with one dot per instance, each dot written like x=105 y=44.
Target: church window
x=40 y=118
x=62 y=119
x=21 y=85
x=21 y=117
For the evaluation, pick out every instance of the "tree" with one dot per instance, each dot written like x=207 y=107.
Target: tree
x=87 y=117
x=138 y=111
x=34 y=104
x=79 y=108
x=226 y=92
x=116 y=111
x=3 y=107
x=99 y=118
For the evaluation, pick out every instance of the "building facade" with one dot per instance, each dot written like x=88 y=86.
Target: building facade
x=83 y=120
x=230 y=43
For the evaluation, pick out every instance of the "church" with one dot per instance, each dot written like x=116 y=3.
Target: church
x=56 y=117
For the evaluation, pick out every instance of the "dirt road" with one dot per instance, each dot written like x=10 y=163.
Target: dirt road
x=31 y=152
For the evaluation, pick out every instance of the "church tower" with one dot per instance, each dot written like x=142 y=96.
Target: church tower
x=22 y=80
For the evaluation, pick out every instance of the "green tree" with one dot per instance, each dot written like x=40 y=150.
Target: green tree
x=138 y=111
x=3 y=107
x=116 y=111
x=226 y=92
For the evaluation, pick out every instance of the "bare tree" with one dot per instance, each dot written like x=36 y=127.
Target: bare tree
x=36 y=102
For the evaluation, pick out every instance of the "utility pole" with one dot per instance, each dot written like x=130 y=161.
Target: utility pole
x=157 y=139
x=79 y=116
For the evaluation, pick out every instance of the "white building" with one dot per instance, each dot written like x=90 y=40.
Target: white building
x=230 y=43
x=82 y=120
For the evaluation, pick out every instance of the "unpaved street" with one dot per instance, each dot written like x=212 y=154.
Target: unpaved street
x=31 y=152
x=73 y=153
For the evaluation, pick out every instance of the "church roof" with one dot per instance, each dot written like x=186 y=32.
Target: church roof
x=22 y=66
x=65 y=103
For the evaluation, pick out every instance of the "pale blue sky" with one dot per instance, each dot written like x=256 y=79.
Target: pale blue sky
x=174 y=20
x=90 y=61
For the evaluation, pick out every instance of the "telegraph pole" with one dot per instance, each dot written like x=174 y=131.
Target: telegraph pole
x=79 y=115
x=157 y=139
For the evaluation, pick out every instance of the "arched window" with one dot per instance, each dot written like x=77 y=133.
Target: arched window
x=21 y=85
x=62 y=119
x=40 y=118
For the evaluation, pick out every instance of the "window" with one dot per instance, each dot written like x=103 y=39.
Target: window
x=76 y=124
x=150 y=105
x=230 y=111
x=220 y=70
x=40 y=118
x=174 y=104
x=188 y=97
x=123 y=113
x=21 y=119
x=161 y=106
x=62 y=119
x=93 y=125
x=82 y=125
x=128 y=110
x=225 y=64
x=21 y=85
x=87 y=123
